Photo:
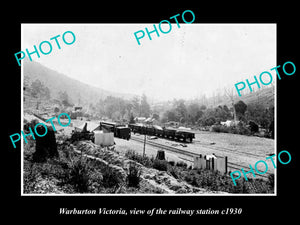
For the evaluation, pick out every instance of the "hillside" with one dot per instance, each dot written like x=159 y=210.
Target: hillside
x=265 y=97
x=77 y=91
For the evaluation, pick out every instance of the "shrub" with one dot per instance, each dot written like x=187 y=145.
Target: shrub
x=253 y=126
x=133 y=177
x=215 y=181
x=79 y=175
x=216 y=128
x=174 y=172
x=181 y=164
x=271 y=181
x=30 y=124
x=161 y=165
x=31 y=174
x=242 y=129
x=239 y=129
x=172 y=163
x=110 y=178
x=145 y=161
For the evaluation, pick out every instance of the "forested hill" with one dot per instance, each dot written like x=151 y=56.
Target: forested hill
x=263 y=96
x=78 y=92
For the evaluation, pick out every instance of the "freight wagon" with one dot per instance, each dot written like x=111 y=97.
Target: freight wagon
x=169 y=133
x=120 y=131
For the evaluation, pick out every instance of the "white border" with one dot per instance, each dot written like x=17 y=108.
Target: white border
x=187 y=195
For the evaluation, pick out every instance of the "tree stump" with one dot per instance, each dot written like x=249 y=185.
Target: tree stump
x=160 y=155
x=46 y=146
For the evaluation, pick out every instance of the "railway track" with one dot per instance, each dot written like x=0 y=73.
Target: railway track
x=231 y=165
x=229 y=150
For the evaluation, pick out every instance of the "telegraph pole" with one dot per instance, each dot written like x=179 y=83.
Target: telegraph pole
x=145 y=137
x=144 y=145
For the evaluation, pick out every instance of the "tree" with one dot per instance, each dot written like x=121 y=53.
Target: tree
x=240 y=108
x=171 y=116
x=180 y=110
x=155 y=116
x=230 y=95
x=202 y=107
x=259 y=114
x=226 y=109
x=64 y=97
x=131 y=119
x=114 y=107
x=39 y=90
x=36 y=88
x=192 y=112
x=144 y=107
x=136 y=106
x=199 y=115
x=253 y=126
x=207 y=121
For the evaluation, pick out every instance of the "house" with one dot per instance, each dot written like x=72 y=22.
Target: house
x=229 y=123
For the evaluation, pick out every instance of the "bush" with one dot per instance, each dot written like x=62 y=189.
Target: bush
x=242 y=129
x=174 y=172
x=172 y=163
x=110 y=178
x=215 y=181
x=161 y=165
x=207 y=121
x=145 y=161
x=216 y=128
x=30 y=124
x=271 y=180
x=253 y=126
x=79 y=175
x=31 y=174
x=239 y=129
x=181 y=164
x=133 y=177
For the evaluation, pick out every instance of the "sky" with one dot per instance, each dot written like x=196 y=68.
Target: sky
x=187 y=62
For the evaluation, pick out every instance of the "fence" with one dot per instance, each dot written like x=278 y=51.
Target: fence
x=218 y=164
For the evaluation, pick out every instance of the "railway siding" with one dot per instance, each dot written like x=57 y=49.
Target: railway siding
x=236 y=159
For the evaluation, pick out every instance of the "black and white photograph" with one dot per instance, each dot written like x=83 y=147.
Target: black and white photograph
x=150 y=113
x=129 y=109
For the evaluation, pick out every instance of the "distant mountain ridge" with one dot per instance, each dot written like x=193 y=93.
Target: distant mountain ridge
x=77 y=91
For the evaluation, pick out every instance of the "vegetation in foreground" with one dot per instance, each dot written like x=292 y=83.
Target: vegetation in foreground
x=207 y=179
x=71 y=173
